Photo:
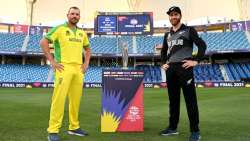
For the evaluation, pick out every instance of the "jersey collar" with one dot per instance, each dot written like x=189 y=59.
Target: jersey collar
x=66 y=24
x=181 y=28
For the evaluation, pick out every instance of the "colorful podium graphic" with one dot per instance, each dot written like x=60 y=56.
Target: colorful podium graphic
x=122 y=101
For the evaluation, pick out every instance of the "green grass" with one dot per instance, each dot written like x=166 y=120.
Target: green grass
x=224 y=116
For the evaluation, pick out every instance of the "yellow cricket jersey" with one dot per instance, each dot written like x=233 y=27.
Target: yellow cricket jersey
x=68 y=43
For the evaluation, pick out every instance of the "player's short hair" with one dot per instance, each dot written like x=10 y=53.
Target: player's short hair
x=73 y=7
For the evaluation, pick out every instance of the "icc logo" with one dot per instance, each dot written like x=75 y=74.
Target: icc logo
x=134 y=21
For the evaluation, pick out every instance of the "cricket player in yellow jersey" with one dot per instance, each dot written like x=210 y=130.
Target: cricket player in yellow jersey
x=68 y=42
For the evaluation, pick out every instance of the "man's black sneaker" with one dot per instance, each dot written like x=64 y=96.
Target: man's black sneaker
x=53 y=137
x=169 y=132
x=195 y=136
x=77 y=132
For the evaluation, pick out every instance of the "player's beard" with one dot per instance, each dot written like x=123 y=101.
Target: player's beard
x=175 y=21
x=74 y=21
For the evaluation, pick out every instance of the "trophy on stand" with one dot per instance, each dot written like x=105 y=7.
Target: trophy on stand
x=124 y=49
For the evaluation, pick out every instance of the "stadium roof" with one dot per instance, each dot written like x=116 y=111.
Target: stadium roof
x=53 y=12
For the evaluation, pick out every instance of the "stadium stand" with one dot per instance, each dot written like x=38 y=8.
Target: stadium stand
x=217 y=41
x=208 y=72
x=11 y=41
x=203 y=73
x=238 y=71
x=23 y=73
x=146 y=44
x=33 y=44
x=94 y=74
x=226 y=41
x=152 y=74
x=103 y=45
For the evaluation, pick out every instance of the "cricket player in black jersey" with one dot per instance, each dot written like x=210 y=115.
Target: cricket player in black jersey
x=177 y=60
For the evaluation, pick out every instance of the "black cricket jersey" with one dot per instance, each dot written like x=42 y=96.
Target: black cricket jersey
x=178 y=46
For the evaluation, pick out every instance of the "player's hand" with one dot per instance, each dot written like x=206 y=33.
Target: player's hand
x=165 y=66
x=189 y=63
x=84 y=67
x=57 y=66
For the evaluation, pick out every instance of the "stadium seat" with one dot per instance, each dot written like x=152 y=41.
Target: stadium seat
x=208 y=72
x=11 y=41
x=33 y=44
x=23 y=73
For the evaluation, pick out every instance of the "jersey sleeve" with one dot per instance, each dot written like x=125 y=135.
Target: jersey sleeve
x=53 y=34
x=164 y=49
x=199 y=42
x=85 y=41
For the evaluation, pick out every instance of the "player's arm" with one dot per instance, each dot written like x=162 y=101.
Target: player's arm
x=201 y=49
x=87 y=50
x=50 y=37
x=44 y=43
x=164 y=53
x=86 y=59
x=199 y=43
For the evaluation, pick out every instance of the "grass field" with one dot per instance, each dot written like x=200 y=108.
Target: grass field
x=224 y=116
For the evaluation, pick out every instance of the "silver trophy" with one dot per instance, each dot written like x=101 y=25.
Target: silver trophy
x=124 y=49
